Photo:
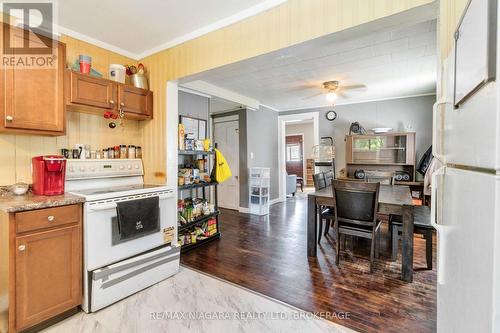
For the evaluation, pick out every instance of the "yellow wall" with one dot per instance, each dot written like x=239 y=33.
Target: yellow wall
x=290 y=23
x=16 y=150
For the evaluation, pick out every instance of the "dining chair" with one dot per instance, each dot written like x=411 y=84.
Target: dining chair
x=325 y=213
x=421 y=226
x=355 y=213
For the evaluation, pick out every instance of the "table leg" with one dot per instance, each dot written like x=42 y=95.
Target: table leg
x=407 y=240
x=312 y=226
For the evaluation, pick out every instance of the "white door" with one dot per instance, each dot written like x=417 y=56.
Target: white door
x=467 y=224
x=227 y=139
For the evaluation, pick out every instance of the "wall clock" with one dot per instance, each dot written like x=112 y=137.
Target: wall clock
x=331 y=115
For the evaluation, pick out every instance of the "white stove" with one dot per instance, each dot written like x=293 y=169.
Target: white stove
x=130 y=229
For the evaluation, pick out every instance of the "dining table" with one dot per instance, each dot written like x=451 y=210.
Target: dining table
x=393 y=199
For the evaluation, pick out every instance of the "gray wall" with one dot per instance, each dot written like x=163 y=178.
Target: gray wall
x=194 y=106
x=262 y=136
x=413 y=113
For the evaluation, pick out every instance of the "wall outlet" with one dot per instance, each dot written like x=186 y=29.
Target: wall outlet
x=251 y=155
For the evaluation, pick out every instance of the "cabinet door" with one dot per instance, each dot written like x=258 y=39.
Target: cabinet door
x=48 y=277
x=136 y=102
x=33 y=98
x=92 y=91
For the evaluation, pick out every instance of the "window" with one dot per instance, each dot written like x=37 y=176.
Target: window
x=293 y=152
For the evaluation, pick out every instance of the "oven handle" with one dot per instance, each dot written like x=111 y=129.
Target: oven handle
x=111 y=205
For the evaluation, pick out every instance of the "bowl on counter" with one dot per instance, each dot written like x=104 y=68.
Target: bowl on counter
x=19 y=188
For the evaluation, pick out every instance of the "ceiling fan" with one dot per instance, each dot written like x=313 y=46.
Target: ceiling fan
x=334 y=89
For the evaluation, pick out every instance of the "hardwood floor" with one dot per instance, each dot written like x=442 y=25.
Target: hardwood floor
x=268 y=255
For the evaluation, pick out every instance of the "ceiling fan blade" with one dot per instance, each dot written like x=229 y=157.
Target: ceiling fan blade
x=341 y=94
x=353 y=87
x=312 y=96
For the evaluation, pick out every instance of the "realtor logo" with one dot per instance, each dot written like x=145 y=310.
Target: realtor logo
x=28 y=39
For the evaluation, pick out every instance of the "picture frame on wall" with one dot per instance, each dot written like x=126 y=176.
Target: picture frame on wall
x=195 y=126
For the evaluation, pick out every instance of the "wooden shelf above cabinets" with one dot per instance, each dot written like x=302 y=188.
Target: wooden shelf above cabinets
x=90 y=94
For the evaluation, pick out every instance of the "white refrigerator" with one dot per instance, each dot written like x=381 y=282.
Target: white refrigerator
x=466 y=188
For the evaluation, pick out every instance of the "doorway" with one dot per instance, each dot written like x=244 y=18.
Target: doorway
x=226 y=137
x=295 y=155
x=283 y=121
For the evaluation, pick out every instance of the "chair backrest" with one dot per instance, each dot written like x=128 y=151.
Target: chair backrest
x=328 y=178
x=319 y=181
x=356 y=202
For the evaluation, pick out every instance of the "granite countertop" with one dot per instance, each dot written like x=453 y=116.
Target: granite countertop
x=11 y=203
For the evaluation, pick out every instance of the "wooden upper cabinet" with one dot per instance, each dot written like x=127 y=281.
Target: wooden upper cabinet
x=91 y=91
x=92 y=94
x=32 y=99
x=48 y=274
x=138 y=103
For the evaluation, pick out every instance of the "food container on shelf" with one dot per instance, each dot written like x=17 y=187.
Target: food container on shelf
x=117 y=73
x=85 y=63
x=139 y=81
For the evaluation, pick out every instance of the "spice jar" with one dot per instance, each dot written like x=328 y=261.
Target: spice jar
x=98 y=154
x=138 y=152
x=117 y=151
x=123 y=151
x=93 y=154
x=111 y=152
x=131 y=151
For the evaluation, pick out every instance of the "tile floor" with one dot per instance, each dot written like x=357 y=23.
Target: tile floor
x=190 y=293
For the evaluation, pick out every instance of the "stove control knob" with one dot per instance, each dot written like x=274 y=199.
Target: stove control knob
x=82 y=169
x=71 y=169
x=137 y=166
x=122 y=167
x=129 y=167
x=92 y=169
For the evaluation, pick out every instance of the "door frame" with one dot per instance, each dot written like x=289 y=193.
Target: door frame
x=281 y=144
x=303 y=147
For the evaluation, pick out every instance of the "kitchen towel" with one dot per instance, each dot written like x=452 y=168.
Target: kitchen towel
x=138 y=218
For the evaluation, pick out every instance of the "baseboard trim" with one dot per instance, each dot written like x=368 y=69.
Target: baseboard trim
x=245 y=210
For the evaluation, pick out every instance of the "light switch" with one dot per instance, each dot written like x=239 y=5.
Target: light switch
x=251 y=155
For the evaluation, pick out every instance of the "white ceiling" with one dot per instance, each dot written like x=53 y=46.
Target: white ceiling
x=140 y=28
x=218 y=105
x=392 y=62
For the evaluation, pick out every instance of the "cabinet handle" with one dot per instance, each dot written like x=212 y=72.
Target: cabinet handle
x=9 y=118
x=111 y=101
x=51 y=218
x=22 y=247
x=122 y=104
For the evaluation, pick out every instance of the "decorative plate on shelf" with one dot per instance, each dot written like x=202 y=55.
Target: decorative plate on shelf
x=380 y=130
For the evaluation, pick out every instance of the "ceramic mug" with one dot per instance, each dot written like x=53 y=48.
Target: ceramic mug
x=65 y=153
x=76 y=153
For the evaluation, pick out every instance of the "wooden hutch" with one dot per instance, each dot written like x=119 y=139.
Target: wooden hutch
x=385 y=153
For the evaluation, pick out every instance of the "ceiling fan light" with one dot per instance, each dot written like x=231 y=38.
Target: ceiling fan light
x=331 y=96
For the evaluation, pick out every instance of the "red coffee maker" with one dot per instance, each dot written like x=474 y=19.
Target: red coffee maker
x=48 y=174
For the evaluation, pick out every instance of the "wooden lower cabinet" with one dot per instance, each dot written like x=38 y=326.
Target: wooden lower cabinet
x=46 y=275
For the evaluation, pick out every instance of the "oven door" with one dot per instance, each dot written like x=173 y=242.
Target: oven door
x=115 y=282
x=102 y=242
